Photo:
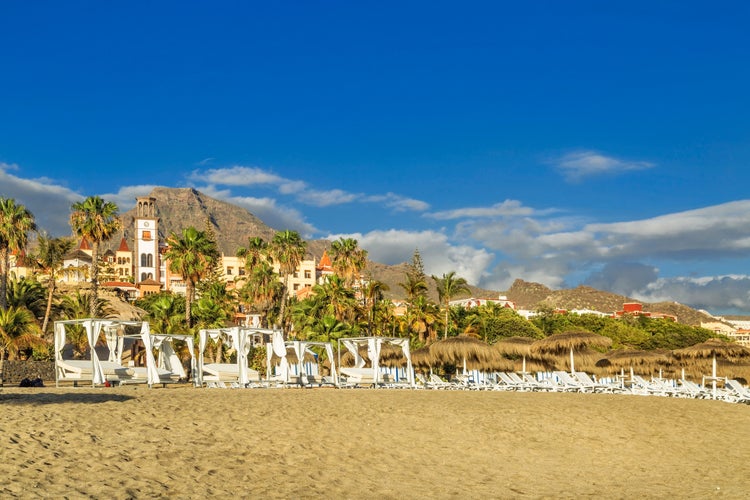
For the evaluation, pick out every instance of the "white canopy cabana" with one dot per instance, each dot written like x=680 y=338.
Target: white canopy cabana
x=374 y=345
x=241 y=339
x=301 y=347
x=161 y=370
x=168 y=363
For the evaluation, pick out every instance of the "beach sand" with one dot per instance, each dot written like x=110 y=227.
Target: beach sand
x=182 y=442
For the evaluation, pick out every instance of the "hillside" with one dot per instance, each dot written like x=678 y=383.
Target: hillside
x=533 y=295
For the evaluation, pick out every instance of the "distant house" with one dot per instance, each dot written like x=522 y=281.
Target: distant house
x=636 y=309
x=76 y=267
x=476 y=302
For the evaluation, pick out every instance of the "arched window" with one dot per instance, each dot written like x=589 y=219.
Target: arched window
x=144 y=276
x=144 y=260
x=150 y=260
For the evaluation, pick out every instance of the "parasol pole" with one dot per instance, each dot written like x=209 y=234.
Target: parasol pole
x=572 y=366
x=523 y=365
x=713 y=373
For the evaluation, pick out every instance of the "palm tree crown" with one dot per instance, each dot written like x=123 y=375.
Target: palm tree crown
x=49 y=259
x=15 y=224
x=348 y=259
x=287 y=249
x=191 y=255
x=96 y=220
x=448 y=287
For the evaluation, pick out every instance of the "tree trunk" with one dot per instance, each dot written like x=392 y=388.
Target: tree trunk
x=282 y=310
x=447 y=318
x=49 y=303
x=94 y=279
x=189 y=303
x=5 y=264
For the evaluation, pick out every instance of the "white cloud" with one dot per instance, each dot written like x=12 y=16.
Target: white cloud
x=581 y=164
x=236 y=176
x=242 y=176
x=508 y=208
x=718 y=294
x=438 y=253
x=326 y=198
x=50 y=203
x=397 y=202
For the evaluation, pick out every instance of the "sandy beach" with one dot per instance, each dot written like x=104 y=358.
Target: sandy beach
x=182 y=442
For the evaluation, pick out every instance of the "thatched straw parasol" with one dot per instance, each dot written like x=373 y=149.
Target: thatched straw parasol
x=573 y=341
x=515 y=346
x=392 y=356
x=469 y=351
x=421 y=359
x=713 y=348
x=291 y=357
x=645 y=361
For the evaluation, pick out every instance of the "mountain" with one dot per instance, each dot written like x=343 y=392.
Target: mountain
x=178 y=208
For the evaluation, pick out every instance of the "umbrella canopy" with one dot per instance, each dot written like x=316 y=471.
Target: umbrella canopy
x=392 y=356
x=712 y=349
x=515 y=346
x=571 y=342
x=639 y=360
x=625 y=358
x=291 y=357
x=462 y=350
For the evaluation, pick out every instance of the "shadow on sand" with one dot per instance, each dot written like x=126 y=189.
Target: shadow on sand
x=43 y=398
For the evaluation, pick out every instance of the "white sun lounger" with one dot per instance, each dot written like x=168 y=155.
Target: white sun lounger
x=82 y=369
x=227 y=372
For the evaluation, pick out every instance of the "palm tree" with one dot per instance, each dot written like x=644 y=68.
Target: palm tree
x=165 y=313
x=414 y=287
x=254 y=253
x=339 y=300
x=373 y=293
x=262 y=289
x=49 y=259
x=28 y=294
x=96 y=220
x=15 y=224
x=18 y=330
x=80 y=306
x=287 y=249
x=348 y=260
x=422 y=317
x=448 y=287
x=191 y=255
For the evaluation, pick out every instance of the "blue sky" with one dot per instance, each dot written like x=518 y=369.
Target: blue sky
x=567 y=143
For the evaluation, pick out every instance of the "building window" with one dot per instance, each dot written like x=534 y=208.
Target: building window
x=296 y=287
x=308 y=275
x=146 y=236
x=229 y=271
x=242 y=271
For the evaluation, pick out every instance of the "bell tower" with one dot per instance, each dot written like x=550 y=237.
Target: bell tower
x=146 y=248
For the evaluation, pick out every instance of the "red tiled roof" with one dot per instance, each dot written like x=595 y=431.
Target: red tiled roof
x=123 y=246
x=325 y=261
x=84 y=244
